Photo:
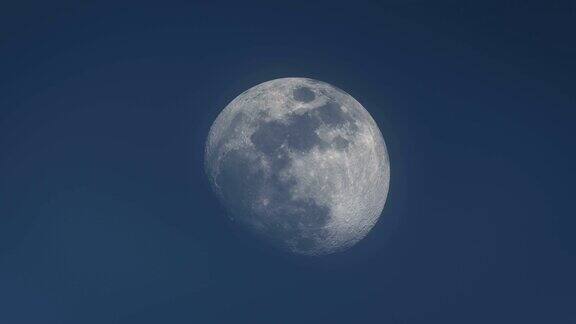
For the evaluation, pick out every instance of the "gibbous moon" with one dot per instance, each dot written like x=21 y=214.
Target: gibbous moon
x=299 y=163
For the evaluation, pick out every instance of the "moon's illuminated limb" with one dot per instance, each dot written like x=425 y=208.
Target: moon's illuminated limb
x=301 y=163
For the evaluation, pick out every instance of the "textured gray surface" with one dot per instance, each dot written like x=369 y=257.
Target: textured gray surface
x=300 y=163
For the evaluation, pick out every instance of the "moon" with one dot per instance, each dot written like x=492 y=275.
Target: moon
x=299 y=163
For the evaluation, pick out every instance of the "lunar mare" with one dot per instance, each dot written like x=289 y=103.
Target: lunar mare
x=300 y=163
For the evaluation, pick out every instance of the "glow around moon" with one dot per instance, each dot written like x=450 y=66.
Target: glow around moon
x=299 y=163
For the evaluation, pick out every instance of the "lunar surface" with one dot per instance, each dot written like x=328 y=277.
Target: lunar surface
x=299 y=163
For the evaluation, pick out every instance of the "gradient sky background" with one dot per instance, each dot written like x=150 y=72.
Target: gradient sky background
x=106 y=215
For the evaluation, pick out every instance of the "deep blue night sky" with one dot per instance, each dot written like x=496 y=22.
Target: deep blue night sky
x=106 y=215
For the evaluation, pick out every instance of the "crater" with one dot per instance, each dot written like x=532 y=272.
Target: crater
x=302 y=132
x=299 y=134
x=269 y=137
x=340 y=143
x=332 y=114
x=238 y=180
x=304 y=94
x=297 y=221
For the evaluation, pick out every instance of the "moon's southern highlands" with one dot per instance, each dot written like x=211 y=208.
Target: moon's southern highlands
x=299 y=163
